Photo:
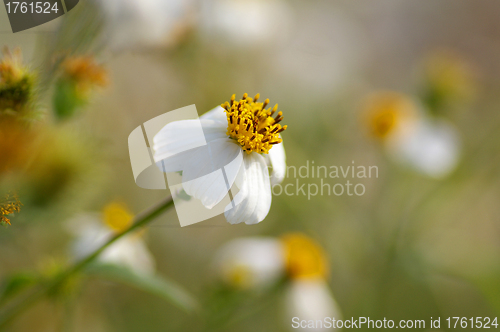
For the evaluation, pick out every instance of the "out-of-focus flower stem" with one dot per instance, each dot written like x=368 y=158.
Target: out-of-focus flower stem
x=142 y=219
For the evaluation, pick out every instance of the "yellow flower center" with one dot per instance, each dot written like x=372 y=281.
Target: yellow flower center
x=388 y=112
x=117 y=216
x=240 y=276
x=85 y=73
x=304 y=257
x=450 y=76
x=11 y=67
x=252 y=125
x=16 y=82
x=383 y=122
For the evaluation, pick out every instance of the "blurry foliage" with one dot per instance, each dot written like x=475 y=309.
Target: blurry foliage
x=16 y=142
x=15 y=283
x=154 y=284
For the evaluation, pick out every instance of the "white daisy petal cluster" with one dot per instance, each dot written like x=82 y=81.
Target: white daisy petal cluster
x=91 y=231
x=428 y=145
x=232 y=145
x=258 y=263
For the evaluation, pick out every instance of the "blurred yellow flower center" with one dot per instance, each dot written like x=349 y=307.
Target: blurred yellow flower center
x=304 y=257
x=252 y=125
x=449 y=73
x=16 y=81
x=240 y=276
x=11 y=67
x=386 y=111
x=117 y=216
x=85 y=73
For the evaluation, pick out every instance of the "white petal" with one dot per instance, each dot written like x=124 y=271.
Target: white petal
x=217 y=114
x=130 y=252
x=175 y=163
x=184 y=135
x=261 y=259
x=91 y=234
x=433 y=148
x=175 y=142
x=203 y=176
x=311 y=299
x=252 y=203
x=82 y=222
x=277 y=158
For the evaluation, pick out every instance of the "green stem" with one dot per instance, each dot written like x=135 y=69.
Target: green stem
x=140 y=220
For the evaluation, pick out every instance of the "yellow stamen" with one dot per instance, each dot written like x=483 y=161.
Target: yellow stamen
x=252 y=125
x=304 y=257
x=117 y=216
x=10 y=205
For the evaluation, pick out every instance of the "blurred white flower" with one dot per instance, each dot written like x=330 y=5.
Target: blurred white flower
x=432 y=148
x=428 y=145
x=135 y=23
x=311 y=300
x=93 y=230
x=246 y=22
x=251 y=262
x=241 y=138
x=261 y=262
x=257 y=261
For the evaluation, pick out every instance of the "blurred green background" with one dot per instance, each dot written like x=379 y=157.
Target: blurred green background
x=411 y=247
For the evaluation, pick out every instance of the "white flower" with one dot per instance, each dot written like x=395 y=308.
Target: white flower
x=131 y=23
x=432 y=148
x=258 y=263
x=262 y=261
x=311 y=300
x=251 y=262
x=235 y=143
x=428 y=145
x=91 y=233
